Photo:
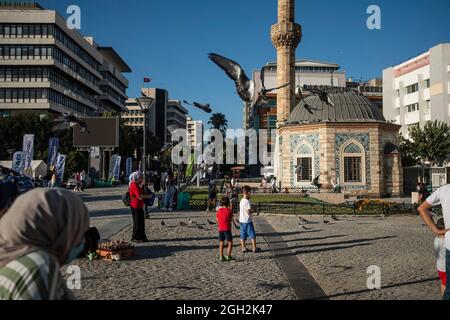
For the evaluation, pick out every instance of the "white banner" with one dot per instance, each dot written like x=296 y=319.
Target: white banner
x=16 y=161
x=27 y=155
x=60 y=167
x=117 y=168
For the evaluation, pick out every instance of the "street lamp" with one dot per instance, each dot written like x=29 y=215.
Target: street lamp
x=11 y=152
x=145 y=104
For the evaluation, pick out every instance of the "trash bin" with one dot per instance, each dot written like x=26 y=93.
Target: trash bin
x=183 y=201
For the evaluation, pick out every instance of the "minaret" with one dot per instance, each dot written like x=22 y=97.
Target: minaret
x=286 y=36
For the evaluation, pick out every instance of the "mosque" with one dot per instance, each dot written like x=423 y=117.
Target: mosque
x=345 y=143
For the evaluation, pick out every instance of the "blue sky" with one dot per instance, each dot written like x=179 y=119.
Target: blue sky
x=168 y=40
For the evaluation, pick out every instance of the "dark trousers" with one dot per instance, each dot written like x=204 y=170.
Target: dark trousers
x=138 y=224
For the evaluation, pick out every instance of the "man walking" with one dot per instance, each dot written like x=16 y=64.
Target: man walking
x=439 y=197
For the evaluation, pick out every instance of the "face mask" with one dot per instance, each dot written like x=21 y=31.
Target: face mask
x=75 y=252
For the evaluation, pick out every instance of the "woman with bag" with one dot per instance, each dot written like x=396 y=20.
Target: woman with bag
x=137 y=197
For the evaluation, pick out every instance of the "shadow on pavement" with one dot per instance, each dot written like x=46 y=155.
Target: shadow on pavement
x=336 y=243
x=110 y=212
x=407 y=283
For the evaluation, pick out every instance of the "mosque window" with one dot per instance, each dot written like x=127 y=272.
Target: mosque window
x=353 y=159
x=352 y=169
x=304 y=169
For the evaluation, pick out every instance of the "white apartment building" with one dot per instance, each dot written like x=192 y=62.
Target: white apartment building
x=194 y=130
x=417 y=90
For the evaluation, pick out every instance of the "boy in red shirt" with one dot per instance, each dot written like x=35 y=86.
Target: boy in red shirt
x=224 y=219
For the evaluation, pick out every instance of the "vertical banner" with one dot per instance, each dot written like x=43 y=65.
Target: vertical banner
x=129 y=167
x=190 y=166
x=53 y=145
x=112 y=167
x=27 y=155
x=60 y=167
x=117 y=168
x=16 y=161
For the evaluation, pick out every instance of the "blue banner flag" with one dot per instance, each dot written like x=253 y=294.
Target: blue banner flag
x=53 y=145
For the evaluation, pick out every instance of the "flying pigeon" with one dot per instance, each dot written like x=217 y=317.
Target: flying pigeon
x=163 y=223
x=205 y=107
x=323 y=95
x=66 y=121
x=244 y=86
x=236 y=225
x=183 y=224
x=264 y=91
x=325 y=221
x=211 y=222
x=305 y=105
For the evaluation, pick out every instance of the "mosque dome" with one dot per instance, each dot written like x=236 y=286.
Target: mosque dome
x=348 y=107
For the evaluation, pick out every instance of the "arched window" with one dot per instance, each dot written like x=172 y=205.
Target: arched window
x=353 y=160
x=304 y=169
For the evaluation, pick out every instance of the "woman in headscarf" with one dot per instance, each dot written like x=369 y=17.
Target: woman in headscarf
x=137 y=197
x=43 y=230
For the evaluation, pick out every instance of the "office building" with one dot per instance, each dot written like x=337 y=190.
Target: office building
x=50 y=69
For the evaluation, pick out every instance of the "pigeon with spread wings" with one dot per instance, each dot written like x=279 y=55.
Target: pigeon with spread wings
x=204 y=107
x=323 y=95
x=244 y=86
x=67 y=121
x=305 y=105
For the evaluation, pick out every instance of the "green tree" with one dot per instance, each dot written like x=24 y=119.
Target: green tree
x=408 y=152
x=432 y=143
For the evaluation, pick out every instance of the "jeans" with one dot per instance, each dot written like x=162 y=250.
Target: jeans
x=447 y=270
x=168 y=198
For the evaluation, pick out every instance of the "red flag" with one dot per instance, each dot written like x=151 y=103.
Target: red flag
x=147 y=80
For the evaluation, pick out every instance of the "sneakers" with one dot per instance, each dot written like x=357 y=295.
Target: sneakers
x=226 y=258
x=245 y=250
x=256 y=250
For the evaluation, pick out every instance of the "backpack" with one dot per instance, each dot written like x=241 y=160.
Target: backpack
x=126 y=199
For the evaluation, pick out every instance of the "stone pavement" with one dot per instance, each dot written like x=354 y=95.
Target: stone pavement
x=338 y=254
x=182 y=263
x=327 y=259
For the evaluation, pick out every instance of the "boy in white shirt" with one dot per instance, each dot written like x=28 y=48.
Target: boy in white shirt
x=246 y=221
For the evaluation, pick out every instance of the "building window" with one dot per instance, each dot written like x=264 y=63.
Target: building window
x=304 y=169
x=412 y=107
x=353 y=163
x=352 y=169
x=412 y=88
x=304 y=172
x=427 y=83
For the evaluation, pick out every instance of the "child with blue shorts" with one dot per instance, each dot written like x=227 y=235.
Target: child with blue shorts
x=246 y=221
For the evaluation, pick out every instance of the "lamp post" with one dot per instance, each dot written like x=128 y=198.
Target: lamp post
x=145 y=104
x=11 y=152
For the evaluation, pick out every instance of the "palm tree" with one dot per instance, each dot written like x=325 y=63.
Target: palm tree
x=218 y=121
